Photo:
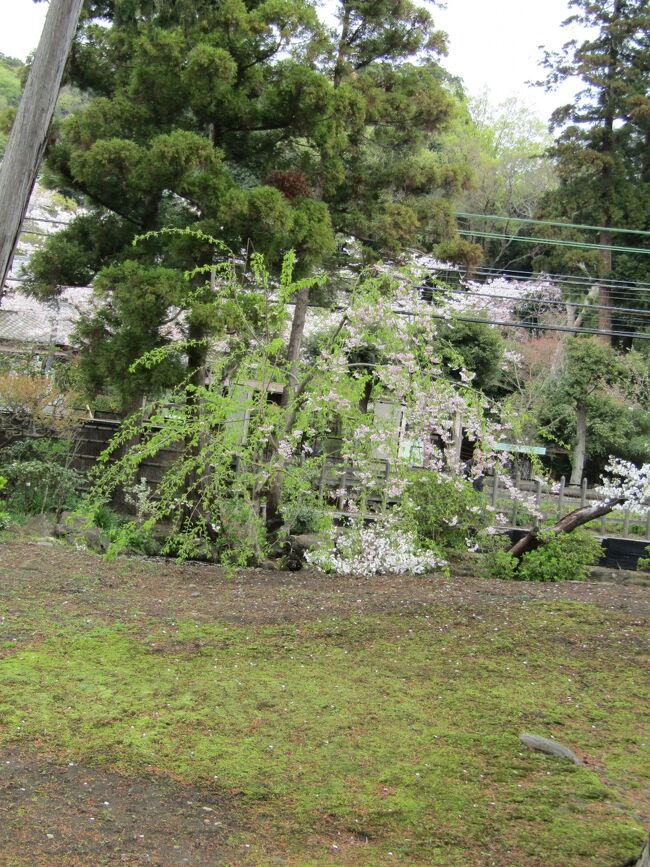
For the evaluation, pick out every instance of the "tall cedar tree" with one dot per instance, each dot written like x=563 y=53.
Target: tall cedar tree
x=255 y=123
x=603 y=147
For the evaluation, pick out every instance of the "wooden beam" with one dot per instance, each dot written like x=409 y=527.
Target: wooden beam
x=29 y=134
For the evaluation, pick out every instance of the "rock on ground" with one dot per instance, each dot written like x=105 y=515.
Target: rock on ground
x=551 y=748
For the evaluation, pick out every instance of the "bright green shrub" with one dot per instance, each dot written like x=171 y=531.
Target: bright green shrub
x=561 y=557
x=301 y=505
x=643 y=563
x=496 y=561
x=106 y=519
x=444 y=513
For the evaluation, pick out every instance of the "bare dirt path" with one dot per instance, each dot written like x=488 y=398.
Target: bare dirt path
x=75 y=816
x=82 y=581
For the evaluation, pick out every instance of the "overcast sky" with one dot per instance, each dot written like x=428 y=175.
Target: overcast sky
x=493 y=43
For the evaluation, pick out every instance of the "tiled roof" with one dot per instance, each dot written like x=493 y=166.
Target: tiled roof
x=27 y=320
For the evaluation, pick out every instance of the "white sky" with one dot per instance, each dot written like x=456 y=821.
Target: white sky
x=21 y=22
x=493 y=43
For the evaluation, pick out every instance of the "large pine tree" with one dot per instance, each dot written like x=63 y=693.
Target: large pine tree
x=602 y=149
x=254 y=122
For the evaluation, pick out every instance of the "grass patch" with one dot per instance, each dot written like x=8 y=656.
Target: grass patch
x=400 y=732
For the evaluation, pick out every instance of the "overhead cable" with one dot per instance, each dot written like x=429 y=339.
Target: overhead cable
x=554 y=242
x=614 y=230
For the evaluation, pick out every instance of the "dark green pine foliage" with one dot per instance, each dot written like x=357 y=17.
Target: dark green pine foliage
x=602 y=150
x=253 y=122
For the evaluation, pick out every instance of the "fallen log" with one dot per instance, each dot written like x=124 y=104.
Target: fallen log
x=569 y=522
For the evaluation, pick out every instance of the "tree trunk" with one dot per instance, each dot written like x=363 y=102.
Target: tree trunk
x=456 y=444
x=566 y=524
x=339 y=68
x=295 y=344
x=29 y=134
x=197 y=355
x=274 y=493
x=580 y=450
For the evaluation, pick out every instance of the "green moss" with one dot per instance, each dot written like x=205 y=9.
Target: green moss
x=403 y=730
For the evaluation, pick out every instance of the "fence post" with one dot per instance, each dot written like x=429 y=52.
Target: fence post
x=603 y=525
x=495 y=490
x=560 y=501
x=321 y=483
x=626 y=523
x=457 y=437
x=515 y=502
x=538 y=501
x=583 y=492
x=342 y=496
x=384 y=497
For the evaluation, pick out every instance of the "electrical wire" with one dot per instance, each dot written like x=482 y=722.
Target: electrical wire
x=46 y=220
x=616 y=288
x=565 y=278
x=582 y=245
x=542 y=327
x=614 y=230
x=560 y=278
x=38 y=234
x=499 y=297
x=503 y=324
x=550 y=302
x=617 y=310
x=613 y=294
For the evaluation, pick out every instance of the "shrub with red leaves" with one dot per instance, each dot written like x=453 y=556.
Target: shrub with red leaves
x=292 y=183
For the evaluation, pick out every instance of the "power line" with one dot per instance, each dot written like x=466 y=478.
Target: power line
x=527 y=277
x=528 y=326
x=29 y=219
x=617 y=289
x=615 y=308
x=497 y=297
x=562 y=278
x=541 y=327
x=547 y=302
x=555 y=242
x=616 y=297
x=34 y=232
x=614 y=231
x=565 y=278
x=627 y=299
x=504 y=324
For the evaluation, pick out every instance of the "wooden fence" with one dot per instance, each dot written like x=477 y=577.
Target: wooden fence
x=557 y=499
x=552 y=500
x=93 y=438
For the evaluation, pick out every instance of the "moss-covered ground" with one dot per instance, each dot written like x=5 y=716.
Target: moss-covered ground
x=345 y=736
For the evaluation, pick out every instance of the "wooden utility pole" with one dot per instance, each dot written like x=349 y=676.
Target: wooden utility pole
x=31 y=127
